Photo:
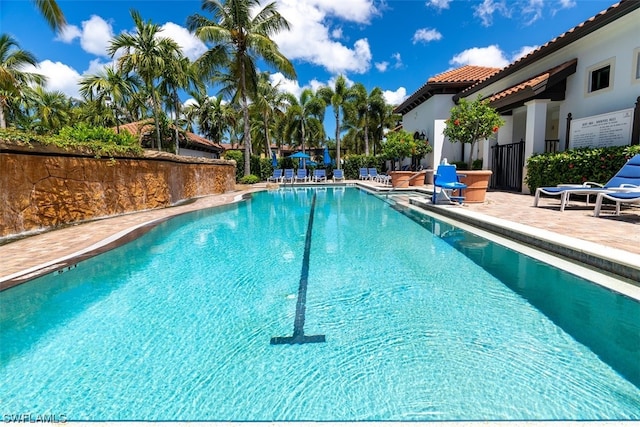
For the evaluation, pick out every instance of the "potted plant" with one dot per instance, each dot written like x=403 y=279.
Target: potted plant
x=397 y=146
x=468 y=122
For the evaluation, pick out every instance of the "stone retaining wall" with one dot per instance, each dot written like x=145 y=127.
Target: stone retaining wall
x=44 y=189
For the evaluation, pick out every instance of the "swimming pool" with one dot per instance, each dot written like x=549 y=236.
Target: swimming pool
x=420 y=321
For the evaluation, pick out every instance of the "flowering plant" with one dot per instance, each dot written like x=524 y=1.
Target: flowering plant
x=470 y=121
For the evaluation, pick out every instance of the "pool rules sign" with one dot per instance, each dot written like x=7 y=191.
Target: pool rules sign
x=604 y=130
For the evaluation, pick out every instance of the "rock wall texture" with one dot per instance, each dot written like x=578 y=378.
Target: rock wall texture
x=43 y=190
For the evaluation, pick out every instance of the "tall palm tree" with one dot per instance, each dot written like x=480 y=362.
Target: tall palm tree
x=337 y=98
x=181 y=73
x=13 y=80
x=148 y=55
x=51 y=13
x=304 y=118
x=240 y=38
x=365 y=106
x=268 y=102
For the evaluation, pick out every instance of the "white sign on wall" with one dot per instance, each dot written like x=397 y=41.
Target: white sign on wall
x=604 y=130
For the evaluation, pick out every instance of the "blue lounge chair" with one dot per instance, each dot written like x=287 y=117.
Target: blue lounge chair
x=373 y=174
x=288 y=176
x=629 y=197
x=364 y=173
x=338 y=175
x=319 y=175
x=446 y=179
x=276 y=177
x=628 y=177
x=301 y=175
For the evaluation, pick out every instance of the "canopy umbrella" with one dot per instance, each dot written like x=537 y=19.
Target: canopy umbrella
x=300 y=155
x=326 y=158
x=274 y=159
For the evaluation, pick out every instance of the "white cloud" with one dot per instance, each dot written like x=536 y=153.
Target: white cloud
x=490 y=56
x=532 y=11
x=311 y=38
x=426 y=35
x=524 y=51
x=396 y=56
x=68 y=34
x=396 y=97
x=285 y=84
x=439 y=4
x=567 y=4
x=486 y=10
x=60 y=77
x=359 y=11
x=381 y=66
x=191 y=46
x=96 y=35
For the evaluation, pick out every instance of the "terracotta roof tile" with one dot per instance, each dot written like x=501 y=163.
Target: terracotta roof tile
x=145 y=127
x=465 y=74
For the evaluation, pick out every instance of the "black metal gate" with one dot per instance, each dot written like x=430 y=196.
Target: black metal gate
x=507 y=164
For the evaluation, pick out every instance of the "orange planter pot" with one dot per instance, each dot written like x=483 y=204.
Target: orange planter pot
x=400 y=179
x=417 y=179
x=477 y=182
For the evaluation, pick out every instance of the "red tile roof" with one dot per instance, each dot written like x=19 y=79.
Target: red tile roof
x=534 y=86
x=466 y=74
x=145 y=127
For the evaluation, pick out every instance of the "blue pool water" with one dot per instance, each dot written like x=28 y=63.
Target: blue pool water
x=422 y=322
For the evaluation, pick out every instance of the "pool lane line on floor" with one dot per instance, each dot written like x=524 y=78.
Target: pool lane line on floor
x=298 y=336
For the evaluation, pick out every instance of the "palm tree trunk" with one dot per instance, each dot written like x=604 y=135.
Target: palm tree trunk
x=247 y=128
x=366 y=137
x=266 y=137
x=175 y=124
x=338 y=165
x=3 y=121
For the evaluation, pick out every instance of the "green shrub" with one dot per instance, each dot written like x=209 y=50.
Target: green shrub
x=249 y=179
x=95 y=141
x=238 y=156
x=353 y=163
x=577 y=166
x=476 y=165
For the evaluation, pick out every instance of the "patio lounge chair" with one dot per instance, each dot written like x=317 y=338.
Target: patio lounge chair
x=373 y=174
x=618 y=197
x=288 y=176
x=276 y=177
x=628 y=177
x=338 y=175
x=364 y=173
x=319 y=175
x=446 y=178
x=301 y=175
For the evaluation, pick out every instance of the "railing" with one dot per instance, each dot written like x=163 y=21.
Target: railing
x=551 y=145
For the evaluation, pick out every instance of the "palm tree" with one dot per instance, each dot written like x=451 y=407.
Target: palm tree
x=337 y=98
x=365 y=106
x=240 y=38
x=212 y=115
x=13 y=80
x=52 y=109
x=147 y=54
x=181 y=73
x=110 y=85
x=268 y=102
x=304 y=118
x=51 y=13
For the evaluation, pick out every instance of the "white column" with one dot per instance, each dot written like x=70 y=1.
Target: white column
x=536 y=126
x=438 y=141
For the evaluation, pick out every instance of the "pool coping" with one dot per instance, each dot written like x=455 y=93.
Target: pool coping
x=615 y=261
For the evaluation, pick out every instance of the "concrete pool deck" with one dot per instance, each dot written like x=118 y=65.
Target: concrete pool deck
x=613 y=236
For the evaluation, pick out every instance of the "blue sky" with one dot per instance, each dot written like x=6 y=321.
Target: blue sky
x=395 y=45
